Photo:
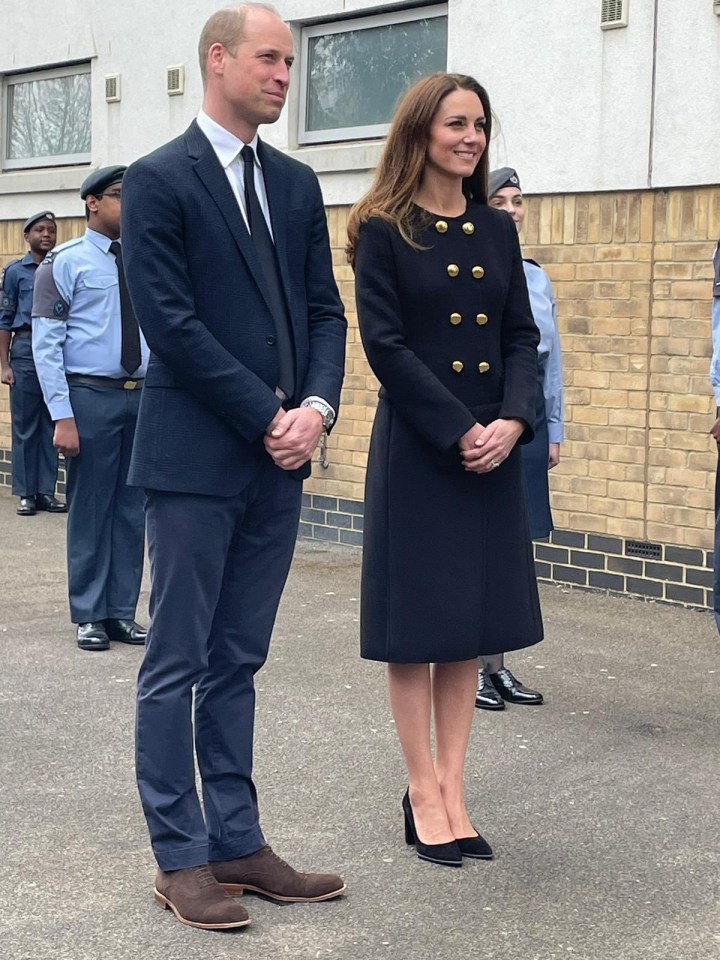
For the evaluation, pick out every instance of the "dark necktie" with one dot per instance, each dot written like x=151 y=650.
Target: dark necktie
x=130 y=355
x=268 y=261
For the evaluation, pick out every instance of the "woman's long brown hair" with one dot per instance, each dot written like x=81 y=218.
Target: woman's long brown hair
x=399 y=173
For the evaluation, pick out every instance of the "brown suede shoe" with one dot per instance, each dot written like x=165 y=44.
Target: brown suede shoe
x=197 y=899
x=266 y=873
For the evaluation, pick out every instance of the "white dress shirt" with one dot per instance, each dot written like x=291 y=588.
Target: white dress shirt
x=227 y=149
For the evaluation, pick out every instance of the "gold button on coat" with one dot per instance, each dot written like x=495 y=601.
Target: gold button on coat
x=483 y=367
x=453 y=269
x=481 y=319
x=478 y=273
x=457 y=366
x=455 y=319
x=468 y=228
x=441 y=226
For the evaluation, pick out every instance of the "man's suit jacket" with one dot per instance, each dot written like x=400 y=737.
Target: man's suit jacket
x=201 y=300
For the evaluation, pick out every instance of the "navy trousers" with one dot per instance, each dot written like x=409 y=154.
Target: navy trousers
x=106 y=523
x=218 y=567
x=34 y=458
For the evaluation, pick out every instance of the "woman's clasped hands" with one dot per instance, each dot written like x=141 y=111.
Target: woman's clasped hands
x=483 y=449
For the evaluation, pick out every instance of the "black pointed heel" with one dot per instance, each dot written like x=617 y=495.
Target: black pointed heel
x=444 y=854
x=475 y=848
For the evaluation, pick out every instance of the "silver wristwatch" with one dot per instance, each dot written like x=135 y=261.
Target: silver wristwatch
x=317 y=403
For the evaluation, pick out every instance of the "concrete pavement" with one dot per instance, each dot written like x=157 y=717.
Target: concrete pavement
x=601 y=804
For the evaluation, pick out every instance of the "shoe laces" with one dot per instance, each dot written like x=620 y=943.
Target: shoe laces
x=205 y=876
x=283 y=863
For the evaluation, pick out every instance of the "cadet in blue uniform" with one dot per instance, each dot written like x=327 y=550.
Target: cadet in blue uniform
x=715 y=431
x=34 y=459
x=496 y=684
x=91 y=360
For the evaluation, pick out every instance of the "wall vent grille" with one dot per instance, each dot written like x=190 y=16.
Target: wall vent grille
x=175 y=81
x=112 y=88
x=614 y=13
x=640 y=548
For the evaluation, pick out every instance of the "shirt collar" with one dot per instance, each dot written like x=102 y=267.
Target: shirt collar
x=226 y=145
x=28 y=258
x=98 y=239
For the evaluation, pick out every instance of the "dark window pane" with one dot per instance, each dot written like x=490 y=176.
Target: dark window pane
x=49 y=117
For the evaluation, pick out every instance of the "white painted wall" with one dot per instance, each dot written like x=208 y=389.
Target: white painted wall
x=687 y=102
x=572 y=100
x=573 y=103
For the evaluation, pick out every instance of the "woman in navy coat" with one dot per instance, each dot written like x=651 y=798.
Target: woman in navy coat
x=445 y=319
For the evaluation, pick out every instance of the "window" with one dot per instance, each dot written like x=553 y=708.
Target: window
x=354 y=71
x=47 y=118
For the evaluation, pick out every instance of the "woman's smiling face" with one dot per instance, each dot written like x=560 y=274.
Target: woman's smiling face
x=457 y=135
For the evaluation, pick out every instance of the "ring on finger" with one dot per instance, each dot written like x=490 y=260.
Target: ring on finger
x=494 y=464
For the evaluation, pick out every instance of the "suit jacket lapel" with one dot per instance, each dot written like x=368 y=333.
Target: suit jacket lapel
x=209 y=170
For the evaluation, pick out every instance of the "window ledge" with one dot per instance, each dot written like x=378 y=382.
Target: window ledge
x=43 y=180
x=340 y=157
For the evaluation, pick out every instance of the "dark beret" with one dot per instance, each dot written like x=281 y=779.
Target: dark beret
x=36 y=218
x=99 y=179
x=503 y=177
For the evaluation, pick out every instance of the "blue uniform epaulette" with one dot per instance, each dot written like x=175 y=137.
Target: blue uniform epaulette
x=51 y=256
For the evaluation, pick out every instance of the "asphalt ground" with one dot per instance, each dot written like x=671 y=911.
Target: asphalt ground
x=602 y=804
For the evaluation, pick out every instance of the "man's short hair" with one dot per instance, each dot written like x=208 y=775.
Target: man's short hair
x=226 y=27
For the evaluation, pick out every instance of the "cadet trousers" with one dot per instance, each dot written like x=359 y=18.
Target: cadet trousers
x=716 y=583
x=34 y=458
x=106 y=524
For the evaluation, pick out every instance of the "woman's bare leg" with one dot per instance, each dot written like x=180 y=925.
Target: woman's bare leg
x=411 y=704
x=453 y=696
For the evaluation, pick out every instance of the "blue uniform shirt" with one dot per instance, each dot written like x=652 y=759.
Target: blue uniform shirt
x=16 y=293
x=76 y=319
x=715 y=362
x=542 y=304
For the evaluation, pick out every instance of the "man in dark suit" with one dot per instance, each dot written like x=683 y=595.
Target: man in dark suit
x=229 y=268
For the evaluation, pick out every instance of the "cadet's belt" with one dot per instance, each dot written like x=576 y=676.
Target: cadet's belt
x=23 y=332
x=119 y=383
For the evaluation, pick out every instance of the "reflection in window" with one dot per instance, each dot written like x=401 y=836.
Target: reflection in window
x=355 y=71
x=48 y=118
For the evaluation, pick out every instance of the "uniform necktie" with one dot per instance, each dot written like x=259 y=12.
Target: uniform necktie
x=268 y=261
x=130 y=355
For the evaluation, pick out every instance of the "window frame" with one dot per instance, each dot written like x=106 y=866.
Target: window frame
x=307 y=33
x=29 y=76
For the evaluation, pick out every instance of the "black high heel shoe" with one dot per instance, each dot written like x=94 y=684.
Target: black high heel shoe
x=445 y=854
